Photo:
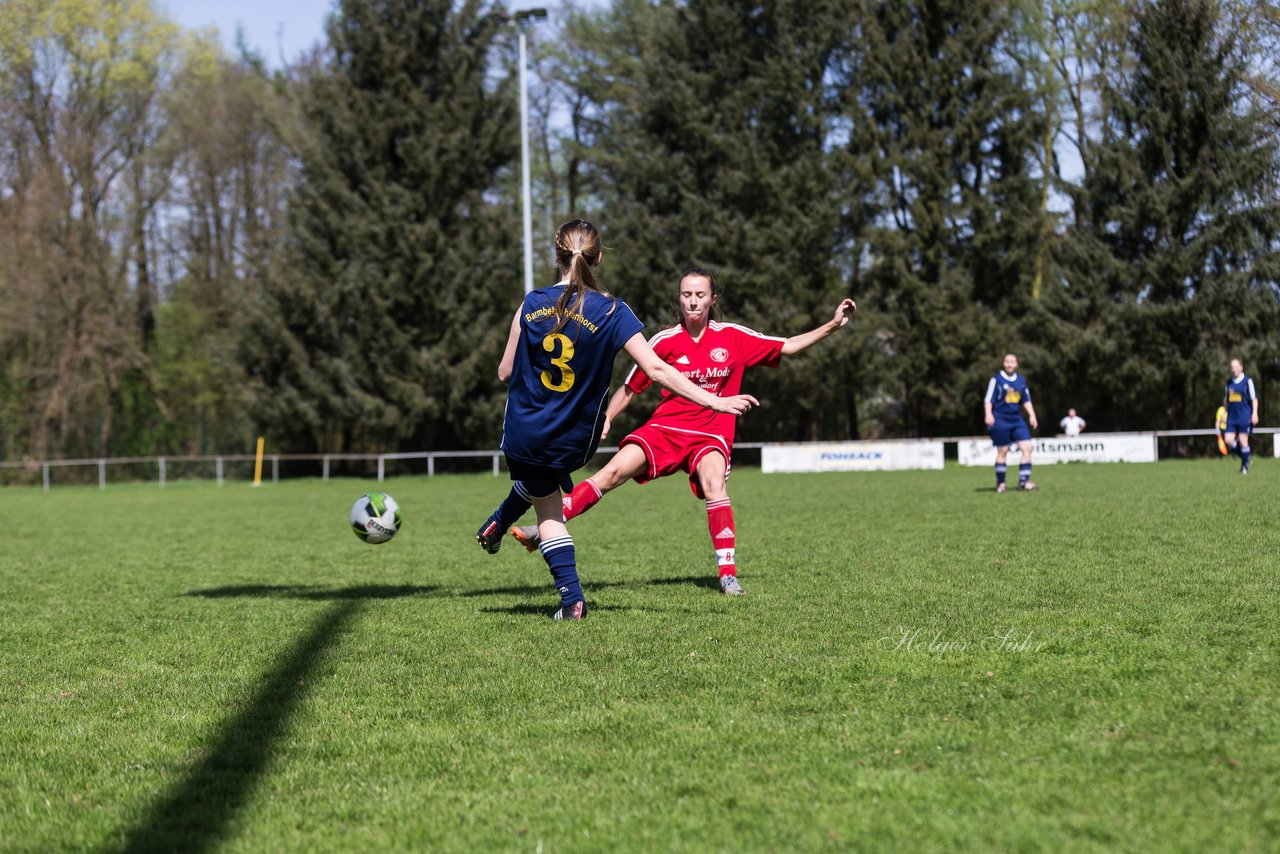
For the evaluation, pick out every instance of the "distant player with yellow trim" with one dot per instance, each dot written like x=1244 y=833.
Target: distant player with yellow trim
x=558 y=361
x=1007 y=395
x=1241 y=401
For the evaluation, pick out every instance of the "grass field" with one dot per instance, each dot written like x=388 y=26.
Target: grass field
x=919 y=663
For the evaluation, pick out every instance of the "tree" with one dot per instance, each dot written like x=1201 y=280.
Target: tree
x=709 y=149
x=386 y=322
x=232 y=124
x=83 y=174
x=1183 y=219
x=944 y=135
x=1259 y=24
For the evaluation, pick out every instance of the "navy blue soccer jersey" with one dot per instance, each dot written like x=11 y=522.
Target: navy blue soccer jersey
x=1239 y=399
x=1007 y=394
x=560 y=380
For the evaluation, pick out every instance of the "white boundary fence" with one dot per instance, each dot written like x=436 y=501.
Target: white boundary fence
x=219 y=461
x=834 y=456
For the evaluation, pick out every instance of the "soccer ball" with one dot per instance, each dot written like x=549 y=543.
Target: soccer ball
x=375 y=518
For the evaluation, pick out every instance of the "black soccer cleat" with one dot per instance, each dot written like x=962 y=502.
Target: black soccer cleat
x=490 y=536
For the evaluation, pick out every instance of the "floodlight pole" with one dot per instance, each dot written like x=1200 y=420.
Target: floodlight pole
x=523 y=20
x=525 y=190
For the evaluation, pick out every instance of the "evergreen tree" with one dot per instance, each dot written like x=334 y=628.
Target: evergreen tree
x=1183 y=221
x=386 y=322
x=944 y=137
x=713 y=120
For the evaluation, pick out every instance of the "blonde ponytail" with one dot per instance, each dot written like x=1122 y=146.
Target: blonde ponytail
x=577 y=253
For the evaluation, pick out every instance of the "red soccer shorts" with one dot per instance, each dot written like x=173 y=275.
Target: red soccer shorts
x=670 y=449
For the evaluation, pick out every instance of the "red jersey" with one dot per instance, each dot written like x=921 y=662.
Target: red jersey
x=716 y=362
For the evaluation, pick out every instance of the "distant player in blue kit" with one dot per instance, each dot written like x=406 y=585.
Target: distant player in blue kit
x=1007 y=395
x=1241 y=401
x=558 y=361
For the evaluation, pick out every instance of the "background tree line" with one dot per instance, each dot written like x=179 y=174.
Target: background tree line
x=195 y=248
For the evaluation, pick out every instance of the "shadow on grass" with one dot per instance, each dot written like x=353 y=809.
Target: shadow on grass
x=195 y=814
x=544 y=610
x=535 y=589
x=710 y=582
x=315 y=592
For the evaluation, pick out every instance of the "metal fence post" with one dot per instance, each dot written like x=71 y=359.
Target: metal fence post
x=431 y=465
x=381 y=467
x=102 y=474
x=162 y=472
x=218 y=468
x=46 y=477
x=495 y=465
x=326 y=468
x=275 y=468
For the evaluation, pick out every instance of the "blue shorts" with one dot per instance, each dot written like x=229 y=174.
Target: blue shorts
x=540 y=481
x=1239 y=425
x=1005 y=433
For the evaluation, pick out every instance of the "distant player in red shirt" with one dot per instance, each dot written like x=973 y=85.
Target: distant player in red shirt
x=684 y=437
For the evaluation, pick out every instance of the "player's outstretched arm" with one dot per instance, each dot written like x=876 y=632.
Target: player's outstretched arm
x=675 y=382
x=508 y=363
x=804 y=340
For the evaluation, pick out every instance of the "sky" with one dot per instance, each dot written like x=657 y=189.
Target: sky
x=280 y=30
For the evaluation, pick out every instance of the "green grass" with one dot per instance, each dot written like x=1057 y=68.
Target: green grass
x=230 y=669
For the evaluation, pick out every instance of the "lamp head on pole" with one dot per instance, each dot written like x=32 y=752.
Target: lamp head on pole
x=529 y=16
x=522 y=18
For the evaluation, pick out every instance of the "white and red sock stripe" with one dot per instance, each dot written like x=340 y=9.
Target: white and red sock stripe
x=723 y=535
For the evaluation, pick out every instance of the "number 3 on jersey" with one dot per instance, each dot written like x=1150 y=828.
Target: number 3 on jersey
x=561 y=362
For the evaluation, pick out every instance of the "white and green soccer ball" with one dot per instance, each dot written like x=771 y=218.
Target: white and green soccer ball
x=375 y=517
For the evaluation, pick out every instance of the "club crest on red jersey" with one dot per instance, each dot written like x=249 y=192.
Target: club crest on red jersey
x=720 y=354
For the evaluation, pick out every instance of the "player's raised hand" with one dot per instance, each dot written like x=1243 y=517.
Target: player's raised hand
x=736 y=404
x=844 y=311
x=604 y=431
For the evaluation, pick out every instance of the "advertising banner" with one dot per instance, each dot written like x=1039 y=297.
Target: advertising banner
x=852 y=456
x=1095 y=448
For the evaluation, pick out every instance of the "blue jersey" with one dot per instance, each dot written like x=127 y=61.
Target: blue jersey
x=1007 y=394
x=560 y=380
x=1239 y=399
